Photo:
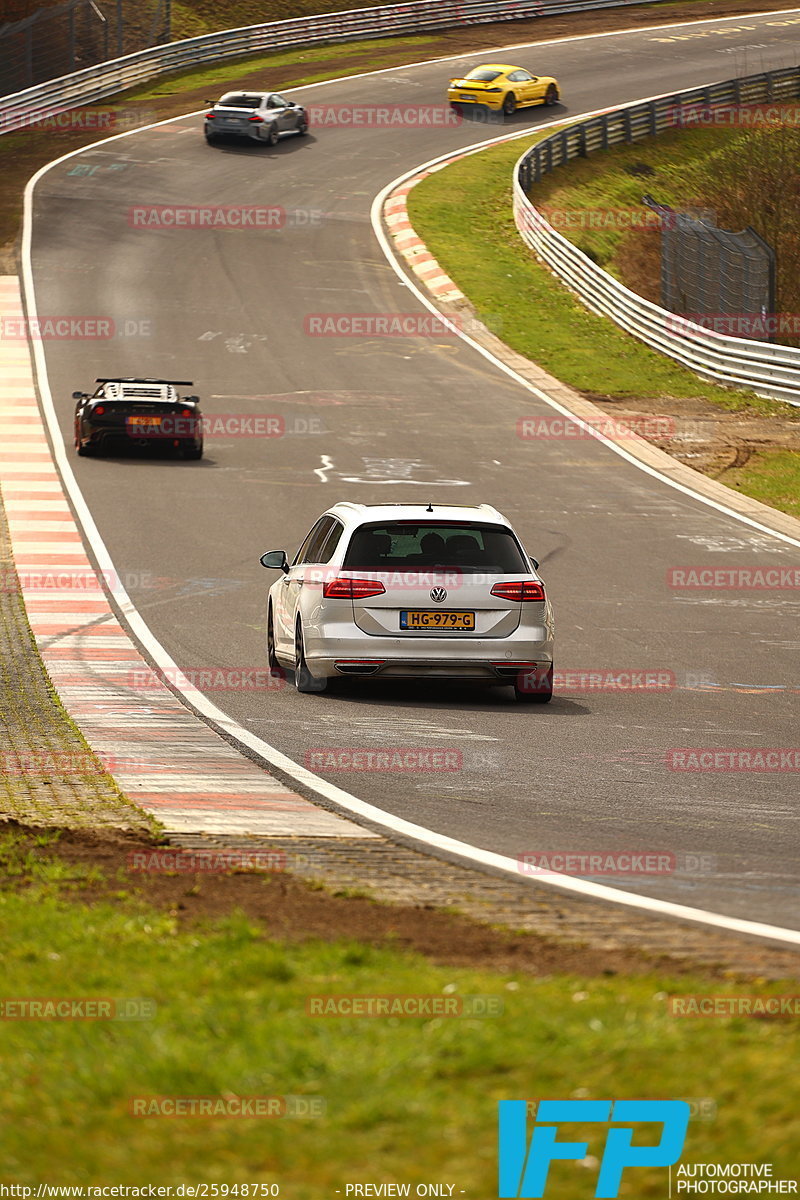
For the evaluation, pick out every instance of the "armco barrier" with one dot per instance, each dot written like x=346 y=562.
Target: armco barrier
x=767 y=369
x=94 y=83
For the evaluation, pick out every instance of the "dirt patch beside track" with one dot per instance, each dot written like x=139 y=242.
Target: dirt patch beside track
x=314 y=899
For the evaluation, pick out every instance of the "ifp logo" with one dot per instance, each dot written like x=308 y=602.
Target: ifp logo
x=524 y=1169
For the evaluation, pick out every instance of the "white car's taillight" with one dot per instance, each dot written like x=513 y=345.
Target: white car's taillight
x=521 y=591
x=342 y=588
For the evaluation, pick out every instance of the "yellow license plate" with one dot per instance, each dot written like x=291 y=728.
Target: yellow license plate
x=436 y=619
x=144 y=420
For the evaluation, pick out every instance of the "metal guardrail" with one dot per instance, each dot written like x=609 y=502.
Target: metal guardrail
x=767 y=369
x=95 y=83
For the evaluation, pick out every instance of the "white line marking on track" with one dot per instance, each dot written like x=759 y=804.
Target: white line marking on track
x=327 y=465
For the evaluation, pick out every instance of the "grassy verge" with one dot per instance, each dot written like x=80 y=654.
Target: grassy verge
x=771 y=476
x=536 y=315
x=406 y=1100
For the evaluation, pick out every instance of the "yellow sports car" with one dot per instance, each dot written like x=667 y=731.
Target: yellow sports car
x=502 y=88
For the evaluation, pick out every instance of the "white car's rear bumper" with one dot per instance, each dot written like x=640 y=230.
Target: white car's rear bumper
x=484 y=659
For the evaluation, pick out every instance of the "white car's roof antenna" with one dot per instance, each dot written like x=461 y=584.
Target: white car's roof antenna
x=429 y=508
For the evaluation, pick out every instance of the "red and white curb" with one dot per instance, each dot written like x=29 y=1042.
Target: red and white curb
x=160 y=754
x=411 y=247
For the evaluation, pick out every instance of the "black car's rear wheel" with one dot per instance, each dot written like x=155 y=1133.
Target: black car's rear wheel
x=193 y=452
x=533 y=688
x=84 y=451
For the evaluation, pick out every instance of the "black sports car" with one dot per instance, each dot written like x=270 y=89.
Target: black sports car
x=138 y=412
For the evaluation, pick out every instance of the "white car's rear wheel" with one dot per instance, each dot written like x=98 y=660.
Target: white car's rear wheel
x=274 y=665
x=533 y=688
x=304 y=681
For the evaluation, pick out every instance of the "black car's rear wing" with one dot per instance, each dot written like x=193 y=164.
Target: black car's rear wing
x=131 y=379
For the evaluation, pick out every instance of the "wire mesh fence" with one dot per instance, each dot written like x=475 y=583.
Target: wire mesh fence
x=715 y=277
x=67 y=37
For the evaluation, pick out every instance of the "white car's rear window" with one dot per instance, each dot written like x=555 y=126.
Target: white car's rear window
x=456 y=546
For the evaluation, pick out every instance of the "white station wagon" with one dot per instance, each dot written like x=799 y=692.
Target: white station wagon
x=407 y=591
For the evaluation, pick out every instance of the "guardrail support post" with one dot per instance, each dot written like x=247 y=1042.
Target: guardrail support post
x=29 y=56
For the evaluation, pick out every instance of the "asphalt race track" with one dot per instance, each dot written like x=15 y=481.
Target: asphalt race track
x=418 y=419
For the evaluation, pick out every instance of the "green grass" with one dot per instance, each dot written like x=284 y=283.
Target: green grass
x=408 y=1100
x=771 y=476
x=532 y=312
